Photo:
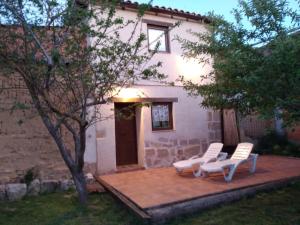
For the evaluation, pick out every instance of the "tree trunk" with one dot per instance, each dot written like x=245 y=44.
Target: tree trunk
x=80 y=184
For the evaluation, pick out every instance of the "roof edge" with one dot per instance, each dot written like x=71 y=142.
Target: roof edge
x=168 y=11
x=155 y=9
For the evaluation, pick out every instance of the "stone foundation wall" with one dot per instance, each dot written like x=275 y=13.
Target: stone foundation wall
x=164 y=151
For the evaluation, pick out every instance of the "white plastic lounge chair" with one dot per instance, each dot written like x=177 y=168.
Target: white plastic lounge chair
x=241 y=155
x=213 y=153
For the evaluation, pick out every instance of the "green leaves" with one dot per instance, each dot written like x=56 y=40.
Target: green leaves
x=142 y=8
x=69 y=54
x=55 y=55
x=251 y=78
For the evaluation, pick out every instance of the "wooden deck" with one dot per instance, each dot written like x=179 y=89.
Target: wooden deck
x=162 y=193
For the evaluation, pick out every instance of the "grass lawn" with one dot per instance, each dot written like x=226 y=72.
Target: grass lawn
x=276 y=207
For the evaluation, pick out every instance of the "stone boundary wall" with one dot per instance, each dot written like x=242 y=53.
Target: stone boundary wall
x=164 y=151
x=17 y=191
x=24 y=141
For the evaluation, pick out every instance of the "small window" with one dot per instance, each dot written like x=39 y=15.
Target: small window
x=162 y=116
x=158 y=35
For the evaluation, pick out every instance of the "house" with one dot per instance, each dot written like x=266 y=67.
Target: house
x=173 y=126
x=170 y=126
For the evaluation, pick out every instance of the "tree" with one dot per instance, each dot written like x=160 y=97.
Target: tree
x=256 y=60
x=45 y=44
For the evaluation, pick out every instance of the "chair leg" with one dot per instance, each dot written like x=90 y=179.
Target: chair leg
x=253 y=166
x=228 y=177
x=198 y=172
x=178 y=170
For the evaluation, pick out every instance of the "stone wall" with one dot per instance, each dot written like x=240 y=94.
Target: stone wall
x=163 y=152
x=16 y=191
x=24 y=141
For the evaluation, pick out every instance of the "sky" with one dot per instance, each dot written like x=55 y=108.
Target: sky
x=221 y=7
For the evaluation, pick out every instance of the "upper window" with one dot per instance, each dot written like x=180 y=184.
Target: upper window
x=162 y=116
x=158 y=35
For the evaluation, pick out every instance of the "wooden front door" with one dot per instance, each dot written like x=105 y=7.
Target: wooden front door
x=126 y=140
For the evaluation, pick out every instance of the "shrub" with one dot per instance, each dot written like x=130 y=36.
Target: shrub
x=277 y=145
x=30 y=175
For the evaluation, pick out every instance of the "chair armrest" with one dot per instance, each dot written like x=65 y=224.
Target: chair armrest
x=211 y=160
x=222 y=156
x=194 y=157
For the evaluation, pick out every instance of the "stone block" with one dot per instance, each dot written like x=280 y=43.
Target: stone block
x=66 y=185
x=15 y=191
x=211 y=135
x=195 y=150
x=148 y=162
x=216 y=116
x=157 y=163
x=163 y=140
x=90 y=167
x=162 y=153
x=174 y=142
x=194 y=141
x=2 y=193
x=209 y=126
x=209 y=116
x=49 y=186
x=180 y=152
x=183 y=142
x=182 y=157
x=89 y=178
x=204 y=146
x=172 y=152
x=216 y=126
x=218 y=136
x=147 y=144
x=34 y=188
x=150 y=153
x=167 y=145
x=156 y=145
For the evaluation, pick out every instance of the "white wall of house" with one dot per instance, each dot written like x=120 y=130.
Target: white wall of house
x=194 y=127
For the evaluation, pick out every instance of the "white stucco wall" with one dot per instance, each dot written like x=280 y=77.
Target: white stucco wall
x=192 y=124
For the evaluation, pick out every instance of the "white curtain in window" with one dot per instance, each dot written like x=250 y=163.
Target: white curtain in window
x=160 y=113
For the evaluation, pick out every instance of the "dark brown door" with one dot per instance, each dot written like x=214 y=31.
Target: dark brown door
x=126 y=141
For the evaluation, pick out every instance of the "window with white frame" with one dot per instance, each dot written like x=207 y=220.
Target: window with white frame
x=158 y=36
